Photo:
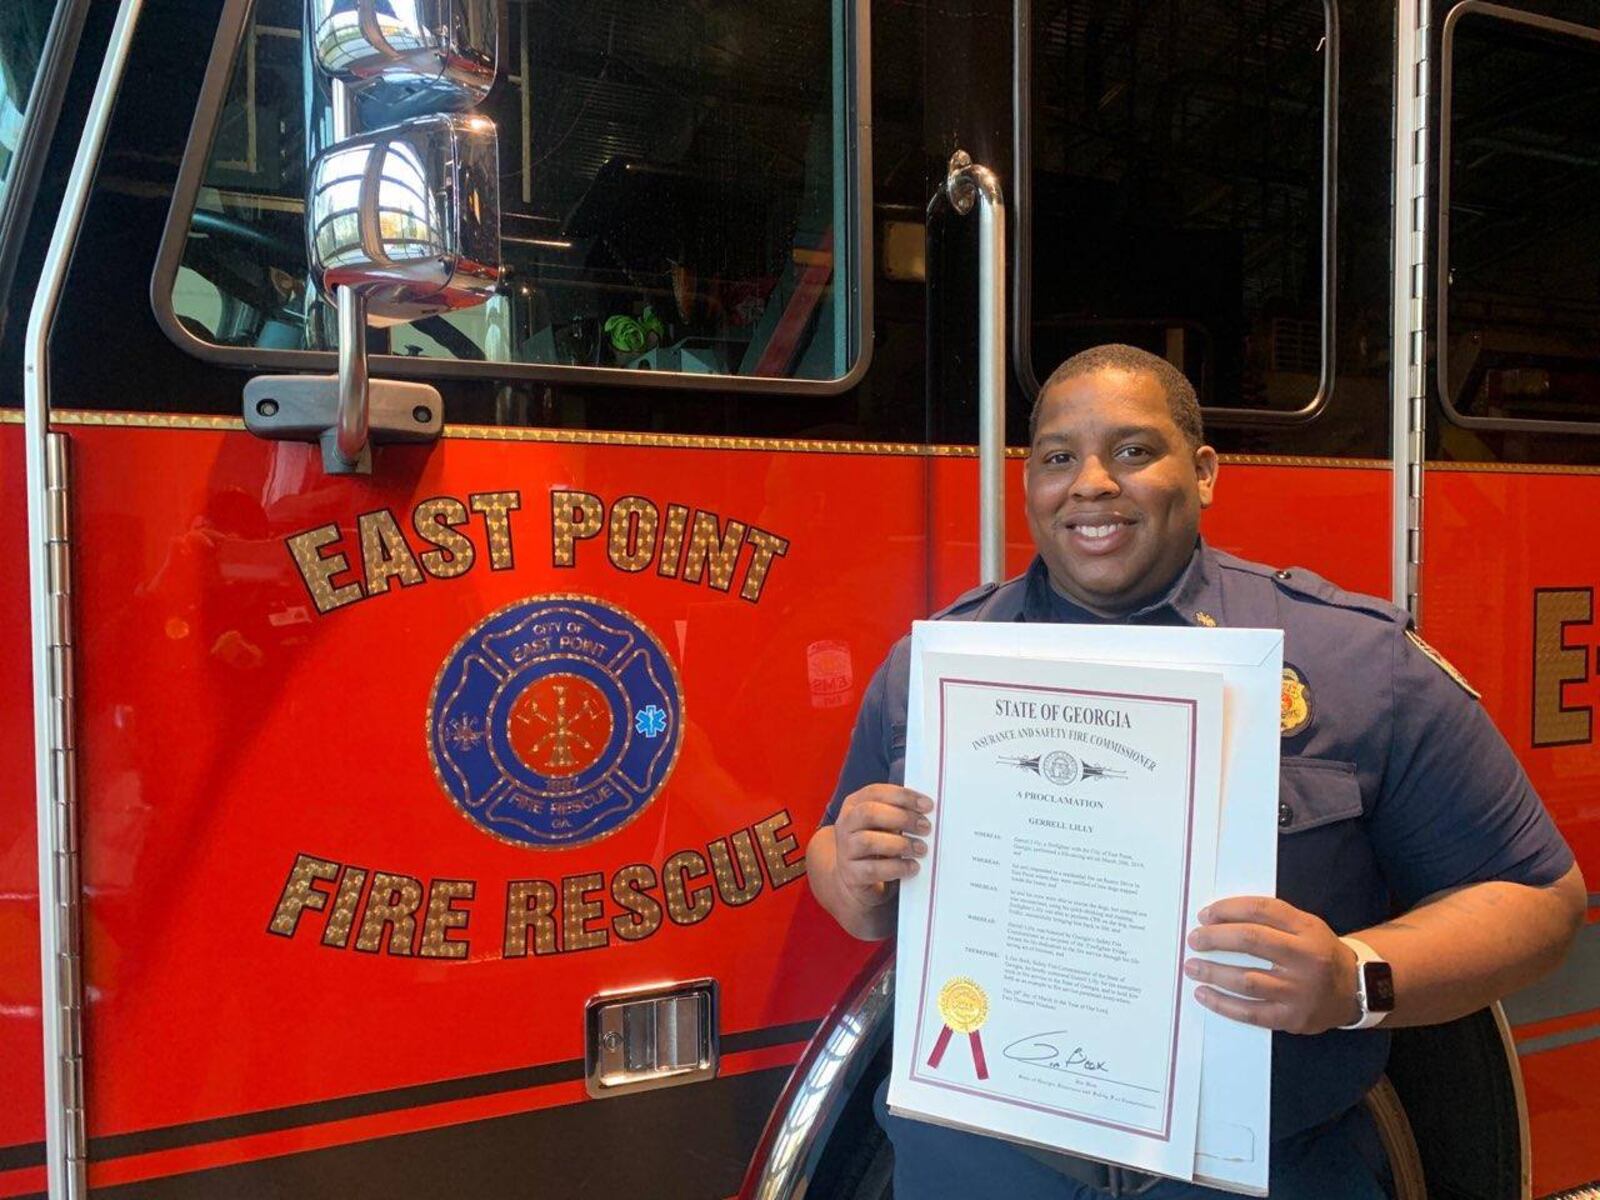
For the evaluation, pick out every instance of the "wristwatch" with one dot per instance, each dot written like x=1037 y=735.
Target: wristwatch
x=1374 y=985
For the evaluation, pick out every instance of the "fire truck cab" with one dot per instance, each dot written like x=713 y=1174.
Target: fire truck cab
x=467 y=459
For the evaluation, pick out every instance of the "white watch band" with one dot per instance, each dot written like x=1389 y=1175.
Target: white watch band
x=1364 y=954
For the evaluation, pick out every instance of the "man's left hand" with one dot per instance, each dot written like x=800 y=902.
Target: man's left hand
x=1311 y=986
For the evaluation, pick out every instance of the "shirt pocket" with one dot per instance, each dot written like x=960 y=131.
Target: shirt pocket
x=1325 y=863
x=1316 y=792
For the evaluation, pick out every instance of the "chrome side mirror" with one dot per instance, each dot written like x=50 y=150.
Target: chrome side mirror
x=408 y=217
x=402 y=223
x=410 y=55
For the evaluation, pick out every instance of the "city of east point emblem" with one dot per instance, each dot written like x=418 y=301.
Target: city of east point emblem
x=555 y=721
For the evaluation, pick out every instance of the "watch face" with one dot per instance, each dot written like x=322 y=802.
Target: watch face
x=1379 y=980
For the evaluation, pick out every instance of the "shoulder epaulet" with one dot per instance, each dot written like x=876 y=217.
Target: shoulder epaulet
x=1308 y=585
x=1443 y=663
x=966 y=602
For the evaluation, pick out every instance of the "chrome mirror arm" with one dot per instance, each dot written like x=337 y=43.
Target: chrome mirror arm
x=354 y=413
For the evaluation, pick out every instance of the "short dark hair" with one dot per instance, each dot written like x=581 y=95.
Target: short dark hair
x=1181 y=398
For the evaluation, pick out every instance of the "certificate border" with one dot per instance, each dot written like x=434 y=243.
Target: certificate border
x=1165 y=1133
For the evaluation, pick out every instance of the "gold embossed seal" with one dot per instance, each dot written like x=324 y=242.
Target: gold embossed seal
x=963 y=1007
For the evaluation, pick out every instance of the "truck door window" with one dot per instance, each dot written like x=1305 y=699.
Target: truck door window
x=1180 y=193
x=678 y=186
x=23 y=26
x=1519 y=236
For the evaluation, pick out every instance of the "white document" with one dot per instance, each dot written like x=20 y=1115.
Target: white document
x=1074 y=839
x=1230 y=1147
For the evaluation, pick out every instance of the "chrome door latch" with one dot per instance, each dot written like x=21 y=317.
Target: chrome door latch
x=651 y=1038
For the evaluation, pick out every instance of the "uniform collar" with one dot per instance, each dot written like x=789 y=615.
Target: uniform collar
x=1195 y=597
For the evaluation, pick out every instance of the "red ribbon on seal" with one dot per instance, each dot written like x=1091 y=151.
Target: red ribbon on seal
x=964 y=1008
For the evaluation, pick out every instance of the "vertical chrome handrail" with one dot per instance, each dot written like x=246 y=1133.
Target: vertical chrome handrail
x=1409 y=374
x=61 y=979
x=969 y=185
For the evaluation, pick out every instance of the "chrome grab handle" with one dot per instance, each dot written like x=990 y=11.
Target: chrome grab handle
x=968 y=185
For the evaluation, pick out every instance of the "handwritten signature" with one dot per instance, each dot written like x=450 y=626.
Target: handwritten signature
x=1043 y=1050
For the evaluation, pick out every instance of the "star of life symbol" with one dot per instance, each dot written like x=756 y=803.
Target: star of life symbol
x=555 y=721
x=651 y=721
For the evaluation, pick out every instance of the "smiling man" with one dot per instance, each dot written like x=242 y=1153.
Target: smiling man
x=1397 y=796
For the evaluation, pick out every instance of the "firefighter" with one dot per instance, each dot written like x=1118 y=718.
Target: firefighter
x=1397 y=794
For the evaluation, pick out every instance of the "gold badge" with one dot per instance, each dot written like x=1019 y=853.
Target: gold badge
x=1295 y=711
x=1443 y=664
x=1206 y=619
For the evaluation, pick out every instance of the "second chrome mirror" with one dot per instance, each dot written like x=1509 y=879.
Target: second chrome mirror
x=408 y=56
x=409 y=217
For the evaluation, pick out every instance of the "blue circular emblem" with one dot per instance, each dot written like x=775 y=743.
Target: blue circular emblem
x=555 y=721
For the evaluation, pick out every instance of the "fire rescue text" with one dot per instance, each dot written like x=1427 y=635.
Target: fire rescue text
x=404 y=915
x=688 y=544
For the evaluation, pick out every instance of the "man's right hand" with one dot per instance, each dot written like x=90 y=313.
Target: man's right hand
x=855 y=865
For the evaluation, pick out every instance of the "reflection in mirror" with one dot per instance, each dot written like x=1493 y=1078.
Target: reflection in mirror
x=409 y=216
x=433 y=54
x=24 y=24
x=676 y=194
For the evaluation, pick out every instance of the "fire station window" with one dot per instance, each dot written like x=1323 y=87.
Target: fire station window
x=1179 y=190
x=23 y=26
x=676 y=195
x=1520 y=288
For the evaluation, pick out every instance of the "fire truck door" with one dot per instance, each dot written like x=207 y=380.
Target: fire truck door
x=1504 y=400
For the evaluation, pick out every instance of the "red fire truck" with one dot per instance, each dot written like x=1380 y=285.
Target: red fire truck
x=465 y=461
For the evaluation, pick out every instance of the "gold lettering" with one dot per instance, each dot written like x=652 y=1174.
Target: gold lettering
x=633 y=533
x=672 y=540
x=337 y=931
x=577 y=910
x=776 y=848
x=435 y=521
x=300 y=893
x=573 y=515
x=443 y=917
x=385 y=553
x=1556 y=663
x=739 y=887
x=392 y=901
x=719 y=549
x=318 y=569
x=530 y=902
x=627 y=889
x=686 y=905
x=497 y=508
x=766 y=546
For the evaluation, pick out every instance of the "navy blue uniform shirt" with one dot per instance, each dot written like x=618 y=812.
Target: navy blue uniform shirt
x=1394 y=783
